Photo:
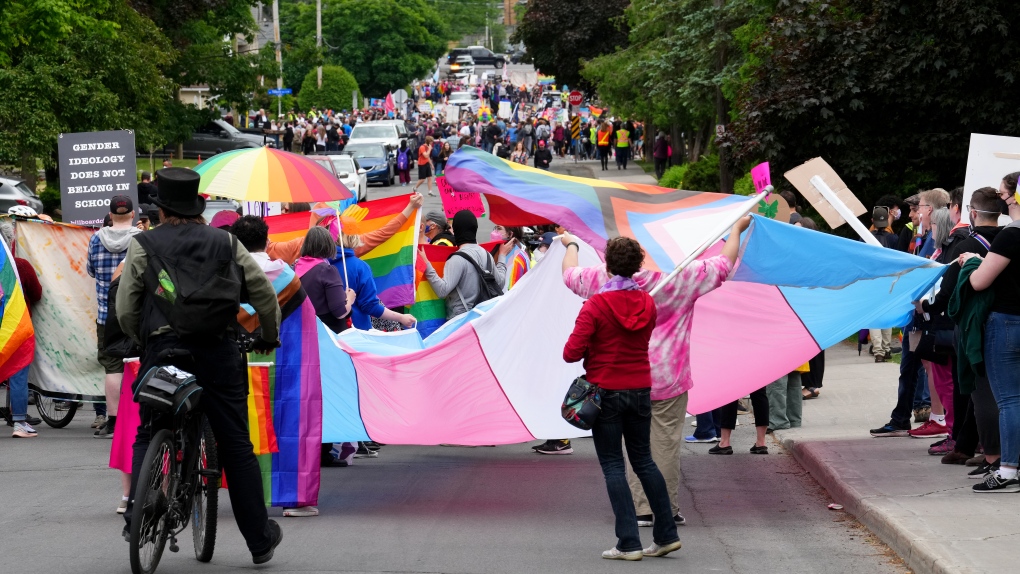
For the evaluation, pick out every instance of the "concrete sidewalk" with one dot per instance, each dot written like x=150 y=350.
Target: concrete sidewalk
x=924 y=510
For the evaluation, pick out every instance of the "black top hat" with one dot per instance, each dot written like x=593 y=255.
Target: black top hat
x=178 y=191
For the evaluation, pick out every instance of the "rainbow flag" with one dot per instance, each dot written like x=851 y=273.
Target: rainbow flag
x=260 y=409
x=392 y=262
x=428 y=308
x=17 y=337
x=290 y=226
x=291 y=413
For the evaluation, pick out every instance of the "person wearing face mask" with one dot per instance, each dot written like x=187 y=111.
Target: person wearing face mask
x=436 y=230
x=516 y=260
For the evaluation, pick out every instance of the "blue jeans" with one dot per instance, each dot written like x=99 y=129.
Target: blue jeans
x=19 y=395
x=708 y=425
x=627 y=415
x=922 y=396
x=910 y=364
x=1002 y=360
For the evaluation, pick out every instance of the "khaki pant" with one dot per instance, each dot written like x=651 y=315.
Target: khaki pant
x=666 y=437
x=881 y=340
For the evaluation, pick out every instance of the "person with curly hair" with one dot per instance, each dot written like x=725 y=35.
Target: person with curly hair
x=611 y=336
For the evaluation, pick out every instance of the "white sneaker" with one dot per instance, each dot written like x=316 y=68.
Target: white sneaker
x=656 y=550
x=23 y=430
x=122 y=507
x=301 y=511
x=100 y=421
x=615 y=554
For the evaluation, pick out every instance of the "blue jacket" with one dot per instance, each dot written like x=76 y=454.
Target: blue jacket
x=366 y=304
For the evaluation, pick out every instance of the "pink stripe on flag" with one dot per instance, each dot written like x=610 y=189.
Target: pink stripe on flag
x=411 y=399
x=309 y=455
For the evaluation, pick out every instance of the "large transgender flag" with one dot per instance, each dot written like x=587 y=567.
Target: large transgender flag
x=495 y=375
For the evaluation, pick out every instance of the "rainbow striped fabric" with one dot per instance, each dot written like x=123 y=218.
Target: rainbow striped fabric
x=428 y=308
x=392 y=262
x=260 y=409
x=17 y=337
x=669 y=223
x=290 y=226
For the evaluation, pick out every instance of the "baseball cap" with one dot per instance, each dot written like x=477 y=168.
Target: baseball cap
x=880 y=217
x=436 y=217
x=121 y=205
x=547 y=238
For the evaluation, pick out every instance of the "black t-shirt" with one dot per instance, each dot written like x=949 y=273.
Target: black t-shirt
x=1007 y=284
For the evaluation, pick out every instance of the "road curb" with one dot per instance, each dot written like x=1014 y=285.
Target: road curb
x=918 y=555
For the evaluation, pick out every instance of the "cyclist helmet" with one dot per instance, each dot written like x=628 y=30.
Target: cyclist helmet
x=22 y=211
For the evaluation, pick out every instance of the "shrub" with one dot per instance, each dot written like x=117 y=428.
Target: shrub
x=703 y=175
x=337 y=85
x=744 y=185
x=674 y=176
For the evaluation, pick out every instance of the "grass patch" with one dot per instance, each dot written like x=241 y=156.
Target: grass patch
x=648 y=166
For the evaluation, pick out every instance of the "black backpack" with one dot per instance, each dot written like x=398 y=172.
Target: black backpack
x=115 y=342
x=194 y=285
x=488 y=286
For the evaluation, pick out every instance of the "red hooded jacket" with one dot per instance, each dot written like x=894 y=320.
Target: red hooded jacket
x=611 y=334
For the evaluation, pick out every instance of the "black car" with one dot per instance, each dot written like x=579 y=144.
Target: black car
x=482 y=56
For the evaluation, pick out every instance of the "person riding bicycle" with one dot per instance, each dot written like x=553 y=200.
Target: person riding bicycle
x=179 y=282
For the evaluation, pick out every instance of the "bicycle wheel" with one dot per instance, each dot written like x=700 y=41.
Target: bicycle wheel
x=150 y=518
x=203 y=508
x=57 y=413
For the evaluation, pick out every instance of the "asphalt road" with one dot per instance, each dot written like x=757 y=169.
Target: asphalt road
x=439 y=509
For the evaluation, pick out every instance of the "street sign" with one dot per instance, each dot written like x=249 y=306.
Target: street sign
x=576 y=98
x=575 y=127
x=280 y=92
x=400 y=97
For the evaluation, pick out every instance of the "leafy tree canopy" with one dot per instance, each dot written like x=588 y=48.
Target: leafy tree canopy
x=337 y=85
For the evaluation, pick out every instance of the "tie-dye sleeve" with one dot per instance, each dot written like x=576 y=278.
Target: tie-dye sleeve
x=585 y=281
x=706 y=275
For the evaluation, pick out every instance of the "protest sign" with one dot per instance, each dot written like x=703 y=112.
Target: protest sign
x=454 y=201
x=801 y=176
x=505 y=109
x=94 y=167
x=989 y=159
x=761 y=177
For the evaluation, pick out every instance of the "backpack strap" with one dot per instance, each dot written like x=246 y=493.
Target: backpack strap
x=984 y=242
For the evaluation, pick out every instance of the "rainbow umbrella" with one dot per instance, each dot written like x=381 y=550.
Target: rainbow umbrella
x=267 y=174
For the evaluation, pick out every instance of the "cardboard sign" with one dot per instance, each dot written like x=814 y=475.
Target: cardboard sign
x=454 y=201
x=801 y=176
x=94 y=167
x=761 y=176
x=988 y=160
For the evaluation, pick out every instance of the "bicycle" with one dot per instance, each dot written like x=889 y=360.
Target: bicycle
x=180 y=477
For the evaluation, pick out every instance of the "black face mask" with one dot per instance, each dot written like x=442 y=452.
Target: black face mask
x=1003 y=207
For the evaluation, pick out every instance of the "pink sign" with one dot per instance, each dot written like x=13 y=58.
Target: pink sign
x=760 y=176
x=454 y=201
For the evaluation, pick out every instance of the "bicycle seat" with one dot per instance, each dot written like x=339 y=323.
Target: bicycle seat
x=168 y=390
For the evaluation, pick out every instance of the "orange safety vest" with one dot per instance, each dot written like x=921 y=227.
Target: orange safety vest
x=603 y=138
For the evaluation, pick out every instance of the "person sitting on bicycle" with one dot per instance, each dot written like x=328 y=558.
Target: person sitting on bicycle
x=162 y=315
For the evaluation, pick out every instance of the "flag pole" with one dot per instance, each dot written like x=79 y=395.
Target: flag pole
x=717 y=234
x=343 y=256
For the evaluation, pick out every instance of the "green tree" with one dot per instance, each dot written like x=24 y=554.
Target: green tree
x=337 y=85
x=386 y=44
x=888 y=91
x=559 y=35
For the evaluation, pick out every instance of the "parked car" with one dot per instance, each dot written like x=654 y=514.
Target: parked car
x=219 y=135
x=15 y=192
x=351 y=174
x=379 y=164
x=462 y=67
x=480 y=55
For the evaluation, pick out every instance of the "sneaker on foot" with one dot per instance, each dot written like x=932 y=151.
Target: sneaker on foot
x=104 y=431
x=645 y=520
x=614 y=554
x=365 y=452
x=890 y=430
x=122 y=507
x=955 y=458
x=656 y=550
x=693 y=438
x=995 y=483
x=99 y=421
x=943 y=448
x=23 y=430
x=301 y=511
x=679 y=519
x=983 y=469
x=555 y=447
x=276 y=535
x=930 y=428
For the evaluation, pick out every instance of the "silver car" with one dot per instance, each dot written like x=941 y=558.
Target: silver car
x=15 y=192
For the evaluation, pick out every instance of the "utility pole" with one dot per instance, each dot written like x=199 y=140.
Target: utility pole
x=279 y=57
x=318 y=36
x=722 y=108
